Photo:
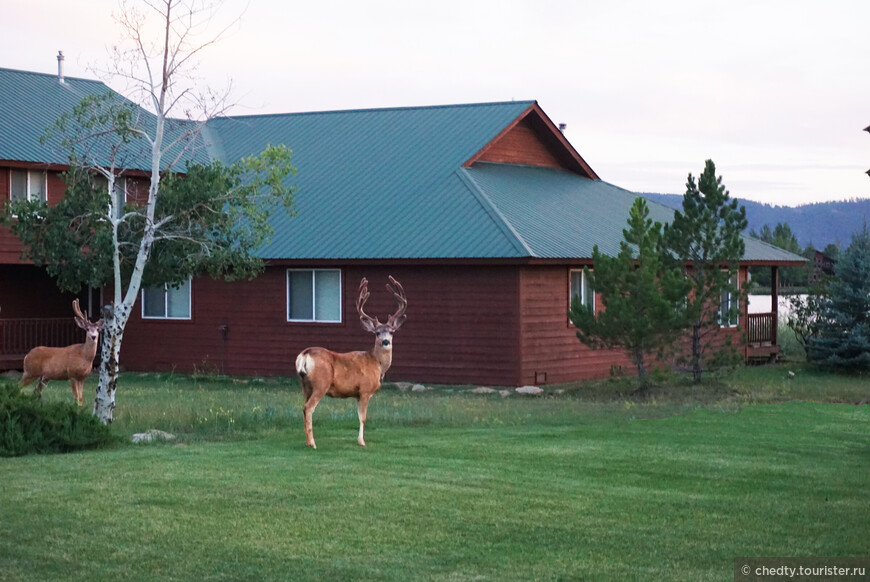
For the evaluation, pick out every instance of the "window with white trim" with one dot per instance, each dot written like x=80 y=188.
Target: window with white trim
x=580 y=287
x=729 y=305
x=27 y=185
x=314 y=295
x=166 y=302
x=120 y=195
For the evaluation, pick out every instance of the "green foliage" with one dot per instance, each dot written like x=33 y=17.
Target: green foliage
x=843 y=335
x=29 y=426
x=211 y=219
x=706 y=236
x=782 y=236
x=643 y=291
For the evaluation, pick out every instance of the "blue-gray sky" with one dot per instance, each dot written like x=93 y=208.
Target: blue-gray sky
x=776 y=92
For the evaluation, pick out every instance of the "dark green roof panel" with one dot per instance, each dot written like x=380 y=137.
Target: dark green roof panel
x=380 y=183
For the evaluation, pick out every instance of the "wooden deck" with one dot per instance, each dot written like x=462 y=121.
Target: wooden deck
x=19 y=336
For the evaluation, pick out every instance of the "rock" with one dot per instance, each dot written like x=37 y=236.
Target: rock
x=418 y=388
x=484 y=390
x=559 y=391
x=504 y=393
x=11 y=375
x=529 y=390
x=152 y=435
x=790 y=374
x=403 y=386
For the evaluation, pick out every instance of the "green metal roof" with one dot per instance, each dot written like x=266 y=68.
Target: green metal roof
x=561 y=215
x=380 y=183
x=33 y=102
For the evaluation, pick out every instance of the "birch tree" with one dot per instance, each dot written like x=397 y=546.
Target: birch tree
x=216 y=214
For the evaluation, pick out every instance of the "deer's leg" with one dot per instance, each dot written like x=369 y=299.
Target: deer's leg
x=77 y=390
x=39 y=387
x=307 y=410
x=362 y=406
x=26 y=379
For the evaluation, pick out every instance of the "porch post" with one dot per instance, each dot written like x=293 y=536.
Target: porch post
x=774 y=300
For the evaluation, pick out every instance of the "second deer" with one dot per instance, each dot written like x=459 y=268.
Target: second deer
x=71 y=363
x=352 y=374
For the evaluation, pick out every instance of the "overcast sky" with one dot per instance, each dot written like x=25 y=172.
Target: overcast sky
x=775 y=92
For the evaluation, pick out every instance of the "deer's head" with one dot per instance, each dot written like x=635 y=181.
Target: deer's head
x=383 y=331
x=93 y=329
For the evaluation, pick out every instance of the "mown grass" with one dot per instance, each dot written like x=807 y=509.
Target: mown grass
x=595 y=483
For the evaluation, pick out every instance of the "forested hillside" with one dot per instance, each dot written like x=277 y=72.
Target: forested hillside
x=820 y=223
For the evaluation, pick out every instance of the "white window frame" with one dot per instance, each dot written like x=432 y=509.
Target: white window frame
x=314 y=297
x=583 y=286
x=166 y=304
x=730 y=296
x=28 y=194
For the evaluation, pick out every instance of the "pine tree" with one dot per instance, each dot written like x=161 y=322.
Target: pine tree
x=705 y=236
x=643 y=293
x=843 y=339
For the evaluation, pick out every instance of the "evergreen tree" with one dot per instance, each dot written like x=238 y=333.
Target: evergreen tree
x=783 y=237
x=643 y=293
x=843 y=339
x=705 y=236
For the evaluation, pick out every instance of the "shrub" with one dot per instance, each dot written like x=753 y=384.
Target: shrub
x=30 y=426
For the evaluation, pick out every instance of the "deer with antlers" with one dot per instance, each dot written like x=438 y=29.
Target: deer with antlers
x=71 y=363
x=352 y=374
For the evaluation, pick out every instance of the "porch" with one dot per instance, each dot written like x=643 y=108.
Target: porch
x=19 y=336
x=761 y=328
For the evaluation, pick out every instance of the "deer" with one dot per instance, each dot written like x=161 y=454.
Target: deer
x=72 y=363
x=358 y=374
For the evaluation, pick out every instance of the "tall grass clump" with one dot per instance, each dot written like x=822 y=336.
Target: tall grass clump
x=28 y=425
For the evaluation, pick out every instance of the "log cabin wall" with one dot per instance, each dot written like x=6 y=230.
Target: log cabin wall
x=461 y=328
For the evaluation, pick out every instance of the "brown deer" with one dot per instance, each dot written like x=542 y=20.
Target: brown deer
x=71 y=363
x=352 y=374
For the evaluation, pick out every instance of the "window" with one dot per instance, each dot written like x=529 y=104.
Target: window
x=729 y=305
x=314 y=295
x=166 y=302
x=580 y=288
x=27 y=185
x=120 y=194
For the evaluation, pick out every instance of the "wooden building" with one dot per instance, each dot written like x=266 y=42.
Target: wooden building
x=484 y=212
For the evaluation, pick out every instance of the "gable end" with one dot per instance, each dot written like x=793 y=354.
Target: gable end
x=533 y=140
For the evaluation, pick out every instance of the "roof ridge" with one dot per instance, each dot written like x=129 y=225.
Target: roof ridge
x=495 y=214
x=52 y=75
x=374 y=109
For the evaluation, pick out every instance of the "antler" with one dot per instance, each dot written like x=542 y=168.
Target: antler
x=82 y=320
x=398 y=318
x=77 y=310
x=369 y=323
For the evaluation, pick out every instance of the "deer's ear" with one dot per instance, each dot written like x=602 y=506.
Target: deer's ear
x=368 y=324
x=99 y=325
x=398 y=322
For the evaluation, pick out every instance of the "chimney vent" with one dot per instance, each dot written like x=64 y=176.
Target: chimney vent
x=60 y=67
x=563 y=127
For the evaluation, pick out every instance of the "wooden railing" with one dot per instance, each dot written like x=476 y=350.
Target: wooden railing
x=19 y=336
x=761 y=328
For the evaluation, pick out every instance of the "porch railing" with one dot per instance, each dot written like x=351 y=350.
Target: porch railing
x=761 y=328
x=19 y=336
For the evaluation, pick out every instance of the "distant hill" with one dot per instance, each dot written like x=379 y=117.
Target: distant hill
x=820 y=223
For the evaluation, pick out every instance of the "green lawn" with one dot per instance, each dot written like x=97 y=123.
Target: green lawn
x=590 y=484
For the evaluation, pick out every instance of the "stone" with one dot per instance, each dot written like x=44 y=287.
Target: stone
x=418 y=388
x=533 y=390
x=504 y=393
x=403 y=386
x=152 y=435
x=484 y=390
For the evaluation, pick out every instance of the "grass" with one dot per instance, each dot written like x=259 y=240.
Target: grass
x=594 y=483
